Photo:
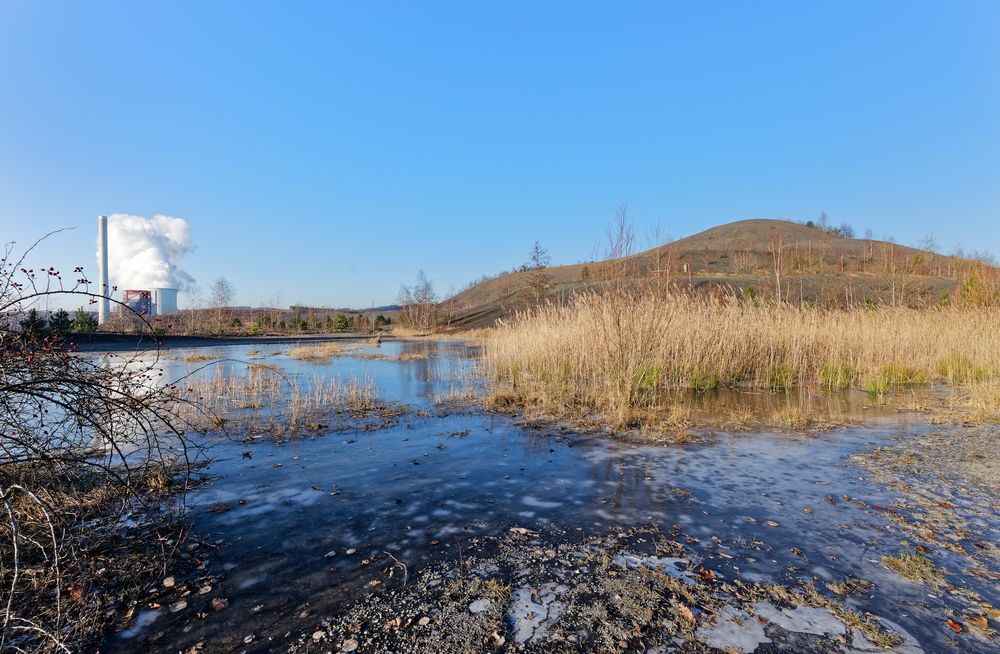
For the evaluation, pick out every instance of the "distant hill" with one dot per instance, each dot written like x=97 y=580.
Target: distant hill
x=817 y=267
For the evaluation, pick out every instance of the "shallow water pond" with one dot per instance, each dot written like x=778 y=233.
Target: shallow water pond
x=301 y=530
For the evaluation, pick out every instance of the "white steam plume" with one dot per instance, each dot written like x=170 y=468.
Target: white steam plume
x=142 y=251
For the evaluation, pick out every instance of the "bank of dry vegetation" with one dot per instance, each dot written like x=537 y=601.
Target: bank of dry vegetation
x=620 y=353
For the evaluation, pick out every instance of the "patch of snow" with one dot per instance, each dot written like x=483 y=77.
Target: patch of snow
x=531 y=613
x=733 y=630
x=802 y=619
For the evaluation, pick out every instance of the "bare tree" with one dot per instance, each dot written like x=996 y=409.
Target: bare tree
x=418 y=302
x=620 y=241
x=221 y=294
x=661 y=244
x=744 y=262
x=869 y=254
x=777 y=247
x=928 y=243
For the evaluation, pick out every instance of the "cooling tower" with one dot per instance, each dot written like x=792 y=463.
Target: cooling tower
x=164 y=301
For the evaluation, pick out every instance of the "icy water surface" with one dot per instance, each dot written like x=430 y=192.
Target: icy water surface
x=306 y=525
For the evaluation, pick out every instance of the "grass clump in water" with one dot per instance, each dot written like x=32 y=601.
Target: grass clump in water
x=781 y=377
x=702 y=382
x=872 y=630
x=959 y=369
x=316 y=353
x=837 y=376
x=913 y=566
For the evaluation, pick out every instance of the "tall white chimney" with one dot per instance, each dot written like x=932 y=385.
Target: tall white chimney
x=103 y=305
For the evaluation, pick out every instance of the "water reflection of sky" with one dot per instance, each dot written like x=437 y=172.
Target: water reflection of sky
x=433 y=366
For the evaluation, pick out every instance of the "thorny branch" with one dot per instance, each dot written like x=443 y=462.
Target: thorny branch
x=94 y=464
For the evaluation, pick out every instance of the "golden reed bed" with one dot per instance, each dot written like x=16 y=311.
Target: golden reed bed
x=616 y=353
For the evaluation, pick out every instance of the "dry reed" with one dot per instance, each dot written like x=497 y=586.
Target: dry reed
x=617 y=353
x=262 y=400
x=982 y=400
x=318 y=352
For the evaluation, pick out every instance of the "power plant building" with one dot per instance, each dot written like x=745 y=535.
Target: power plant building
x=152 y=302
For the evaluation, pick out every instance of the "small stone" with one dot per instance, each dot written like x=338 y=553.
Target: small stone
x=350 y=551
x=248 y=639
x=219 y=603
x=349 y=645
x=169 y=582
x=178 y=606
x=204 y=590
x=317 y=635
x=479 y=606
x=424 y=621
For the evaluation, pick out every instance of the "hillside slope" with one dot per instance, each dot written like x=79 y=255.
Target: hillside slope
x=739 y=257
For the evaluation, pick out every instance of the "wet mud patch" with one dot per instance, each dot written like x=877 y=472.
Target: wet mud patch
x=636 y=590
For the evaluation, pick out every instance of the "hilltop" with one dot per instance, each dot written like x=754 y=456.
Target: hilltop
x=817 y=266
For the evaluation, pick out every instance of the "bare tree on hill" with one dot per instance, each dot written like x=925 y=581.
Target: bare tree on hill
x=620 y=241
x=661 y=244
x=777 y=248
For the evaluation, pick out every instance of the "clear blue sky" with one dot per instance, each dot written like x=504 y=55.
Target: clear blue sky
x=330 y=150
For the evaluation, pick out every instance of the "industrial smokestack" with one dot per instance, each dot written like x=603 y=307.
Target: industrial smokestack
x=103 y=305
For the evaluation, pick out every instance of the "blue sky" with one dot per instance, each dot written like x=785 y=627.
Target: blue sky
x=331 y=150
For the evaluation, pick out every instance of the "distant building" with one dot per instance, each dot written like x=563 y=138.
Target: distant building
x=139 y=301
x=156 y=302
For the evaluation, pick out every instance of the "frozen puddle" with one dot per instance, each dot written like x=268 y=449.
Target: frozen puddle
x=533 y=610
x=802 y=619
x=797 y=629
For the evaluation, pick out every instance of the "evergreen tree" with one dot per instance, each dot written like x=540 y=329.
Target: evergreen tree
x=33 y=323
x=60 y=322
x=84 y=322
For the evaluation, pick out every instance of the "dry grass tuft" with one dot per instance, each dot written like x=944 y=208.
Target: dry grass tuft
x=793 y=416
x=913 y=566
x=982 y=398
x=197 y=358
x=317 y=353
